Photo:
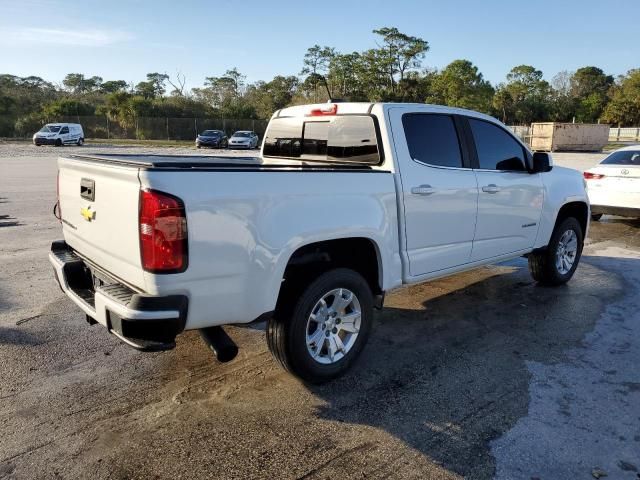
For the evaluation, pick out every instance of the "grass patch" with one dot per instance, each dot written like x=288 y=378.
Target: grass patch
x=140 y=143
x=614 y=146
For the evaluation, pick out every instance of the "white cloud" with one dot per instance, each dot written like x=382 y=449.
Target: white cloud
x=61 y=36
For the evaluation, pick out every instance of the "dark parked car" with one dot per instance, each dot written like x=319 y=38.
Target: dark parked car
x=212 y=139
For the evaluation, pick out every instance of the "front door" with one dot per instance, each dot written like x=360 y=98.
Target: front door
x=439 y=190
x=64 y=134
x=509 y=197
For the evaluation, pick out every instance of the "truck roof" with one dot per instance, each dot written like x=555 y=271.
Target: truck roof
x=368 y=107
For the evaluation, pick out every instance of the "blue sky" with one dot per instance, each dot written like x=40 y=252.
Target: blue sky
x=120 y=39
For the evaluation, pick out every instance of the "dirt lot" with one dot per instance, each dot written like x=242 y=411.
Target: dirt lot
x=480 y=375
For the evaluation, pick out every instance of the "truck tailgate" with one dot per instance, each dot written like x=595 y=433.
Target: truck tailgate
x=99 y=209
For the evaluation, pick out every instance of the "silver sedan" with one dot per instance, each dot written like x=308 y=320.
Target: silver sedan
x=244 y=139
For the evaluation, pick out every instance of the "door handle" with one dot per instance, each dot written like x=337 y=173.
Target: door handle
x=491 y=188
x=423 y=190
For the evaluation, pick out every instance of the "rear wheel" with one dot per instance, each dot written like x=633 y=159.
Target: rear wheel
x=557 y=263
x=80 y=142
x=596 y=217
x=319 y=333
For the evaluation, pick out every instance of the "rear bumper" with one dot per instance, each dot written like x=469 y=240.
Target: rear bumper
x=612 y=210
x=142 y=321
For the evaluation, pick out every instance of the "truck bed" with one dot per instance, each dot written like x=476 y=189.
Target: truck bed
x=210 y=162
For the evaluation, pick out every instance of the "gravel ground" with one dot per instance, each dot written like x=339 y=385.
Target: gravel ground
x=479 y=375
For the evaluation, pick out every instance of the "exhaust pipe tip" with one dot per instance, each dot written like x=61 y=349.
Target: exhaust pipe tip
x=223 y=347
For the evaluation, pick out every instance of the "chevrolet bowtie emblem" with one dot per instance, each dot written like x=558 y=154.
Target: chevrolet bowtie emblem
x=87 y=213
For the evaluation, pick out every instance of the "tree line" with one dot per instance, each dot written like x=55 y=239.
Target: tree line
x=392 y=71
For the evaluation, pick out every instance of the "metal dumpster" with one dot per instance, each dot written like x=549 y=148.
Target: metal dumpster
x=554 y=136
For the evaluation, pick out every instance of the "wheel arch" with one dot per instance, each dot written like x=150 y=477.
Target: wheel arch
x=306 y=262
x=577 y=209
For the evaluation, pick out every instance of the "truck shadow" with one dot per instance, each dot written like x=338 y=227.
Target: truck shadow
x=8 y=221
x=446 y=373
x=14 y=336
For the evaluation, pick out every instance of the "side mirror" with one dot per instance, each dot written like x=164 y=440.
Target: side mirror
x=542 y=162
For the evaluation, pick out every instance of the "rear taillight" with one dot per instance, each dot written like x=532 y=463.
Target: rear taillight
x=163 y=233
x=592 y=176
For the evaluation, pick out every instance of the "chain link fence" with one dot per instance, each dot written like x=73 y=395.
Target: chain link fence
x=140 y=128
x=169 y=128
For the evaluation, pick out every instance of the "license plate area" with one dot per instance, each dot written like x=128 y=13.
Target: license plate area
x=99 y=279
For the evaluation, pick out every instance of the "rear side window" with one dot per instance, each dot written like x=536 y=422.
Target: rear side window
x=432 y=139
x=624 y=157
x=342 y=139
x=497 y=150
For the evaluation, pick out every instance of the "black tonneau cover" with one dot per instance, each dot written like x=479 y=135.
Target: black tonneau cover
x=167 y=161
x=208 y=162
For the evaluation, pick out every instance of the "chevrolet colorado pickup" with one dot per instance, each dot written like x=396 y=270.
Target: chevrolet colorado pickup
x=346 y=201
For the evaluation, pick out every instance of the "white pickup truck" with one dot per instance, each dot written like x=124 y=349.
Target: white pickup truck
x=347 y=201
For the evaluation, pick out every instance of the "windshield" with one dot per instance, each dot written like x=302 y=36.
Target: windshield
x=623 y=157
x=210 y=133
x=242 y=134
x=50 y=128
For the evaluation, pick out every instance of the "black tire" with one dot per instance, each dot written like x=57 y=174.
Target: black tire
x=596 y=217
x=80 y=142
x=58 y=143
x=286 y=331
x=197 y=146
x=542 y=264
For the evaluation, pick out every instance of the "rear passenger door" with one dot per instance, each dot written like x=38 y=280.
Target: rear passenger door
x=439 y=190
x=509 y=197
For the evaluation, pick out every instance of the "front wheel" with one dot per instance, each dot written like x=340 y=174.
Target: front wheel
x=58 y=143
x=558 y=262
x=319 y=333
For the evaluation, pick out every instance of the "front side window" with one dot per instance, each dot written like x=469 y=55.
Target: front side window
x=497 y=150
x=432 y=139
x=50 y=128
x=337 y=139
x=64 y=130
